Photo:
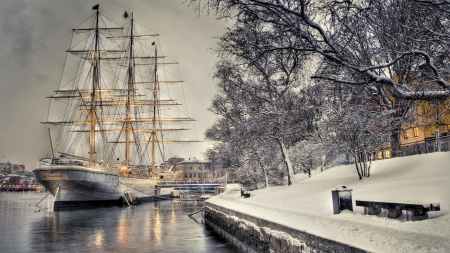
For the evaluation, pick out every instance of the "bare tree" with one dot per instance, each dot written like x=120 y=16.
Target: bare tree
x=346 y=34
x=238 y=146
x=397 y=48
x=269 y=86
x=356 y=126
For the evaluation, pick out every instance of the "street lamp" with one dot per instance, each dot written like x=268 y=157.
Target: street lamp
x=1 y=156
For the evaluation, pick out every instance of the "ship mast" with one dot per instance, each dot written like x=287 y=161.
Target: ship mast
x=155 y=98
x=95 y=98
x=95 y=80
x=129 y=98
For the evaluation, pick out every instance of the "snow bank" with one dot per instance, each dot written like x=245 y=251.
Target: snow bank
x=307 y=205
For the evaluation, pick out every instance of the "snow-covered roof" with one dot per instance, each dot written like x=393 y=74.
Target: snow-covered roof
x=193 y=161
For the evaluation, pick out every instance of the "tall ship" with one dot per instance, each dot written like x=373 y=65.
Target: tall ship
x=115 y=115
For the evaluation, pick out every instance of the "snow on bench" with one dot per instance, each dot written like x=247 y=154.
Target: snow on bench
x=245 y=194
x=393 y=209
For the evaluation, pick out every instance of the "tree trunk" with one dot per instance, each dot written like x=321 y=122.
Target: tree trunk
x=266 y=179
x=395 y=142
x=286 y=160
x=355 y=156
x=438 y=144
x=370 y=165
x=324 y=161
x=310 y=165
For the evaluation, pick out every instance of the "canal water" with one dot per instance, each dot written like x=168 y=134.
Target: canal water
x=150 y=227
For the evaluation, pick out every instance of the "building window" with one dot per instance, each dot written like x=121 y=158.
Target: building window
x=405 y=134
x=380 y=155
x=185 y=175
x=387 y=154
x=190 y=175
x=416 y=131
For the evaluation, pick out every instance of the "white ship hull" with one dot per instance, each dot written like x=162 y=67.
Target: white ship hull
x=76 y=186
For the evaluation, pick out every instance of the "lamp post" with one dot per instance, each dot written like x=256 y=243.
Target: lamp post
x=1 y=156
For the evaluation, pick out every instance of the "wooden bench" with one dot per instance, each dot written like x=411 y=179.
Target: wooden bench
x=414 y=210
x=245 y=194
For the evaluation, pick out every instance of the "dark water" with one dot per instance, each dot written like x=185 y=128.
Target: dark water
x=150 y=227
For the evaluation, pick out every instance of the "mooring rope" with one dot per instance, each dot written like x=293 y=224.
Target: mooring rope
x=42 y=199
x=201 y=209
x=125 y=197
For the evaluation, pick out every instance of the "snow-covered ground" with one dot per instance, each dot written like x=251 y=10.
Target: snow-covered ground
x=307 y=204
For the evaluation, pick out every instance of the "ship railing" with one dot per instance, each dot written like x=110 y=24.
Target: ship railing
x=71 y=161
x=106 y=167
x=56 y=161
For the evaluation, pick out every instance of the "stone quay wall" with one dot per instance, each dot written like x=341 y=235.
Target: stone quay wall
x=252 y=234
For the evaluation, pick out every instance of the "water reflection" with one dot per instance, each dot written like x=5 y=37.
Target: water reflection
x=151 y=227
x=98 y=238
x=157 y=227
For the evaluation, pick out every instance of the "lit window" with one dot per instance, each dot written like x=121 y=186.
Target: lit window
x=387 y=154
x=405 y=135
x=380 y=155
x=416 y=131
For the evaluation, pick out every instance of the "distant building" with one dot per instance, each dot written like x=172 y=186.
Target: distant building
x=422 y=139
x=170 y=163
x=193 y=170
x=420 y=136
x=25 y=180
x=13 y=179
x=8 y=168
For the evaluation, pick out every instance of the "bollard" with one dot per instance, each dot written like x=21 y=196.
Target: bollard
x=342 y=199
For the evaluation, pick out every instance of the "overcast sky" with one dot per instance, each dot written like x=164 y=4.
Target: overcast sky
x=34 y=35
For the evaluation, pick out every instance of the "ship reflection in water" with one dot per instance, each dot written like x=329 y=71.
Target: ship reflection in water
x=150 y=227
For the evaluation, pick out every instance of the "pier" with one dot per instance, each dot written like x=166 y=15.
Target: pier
x=17 y=188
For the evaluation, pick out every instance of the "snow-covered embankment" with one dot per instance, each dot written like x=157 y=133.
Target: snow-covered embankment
x=306 y=205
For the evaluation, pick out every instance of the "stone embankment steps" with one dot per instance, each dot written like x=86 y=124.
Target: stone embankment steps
x=252 y=234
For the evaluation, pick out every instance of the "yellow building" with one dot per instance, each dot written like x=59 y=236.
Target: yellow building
x=420 y=137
